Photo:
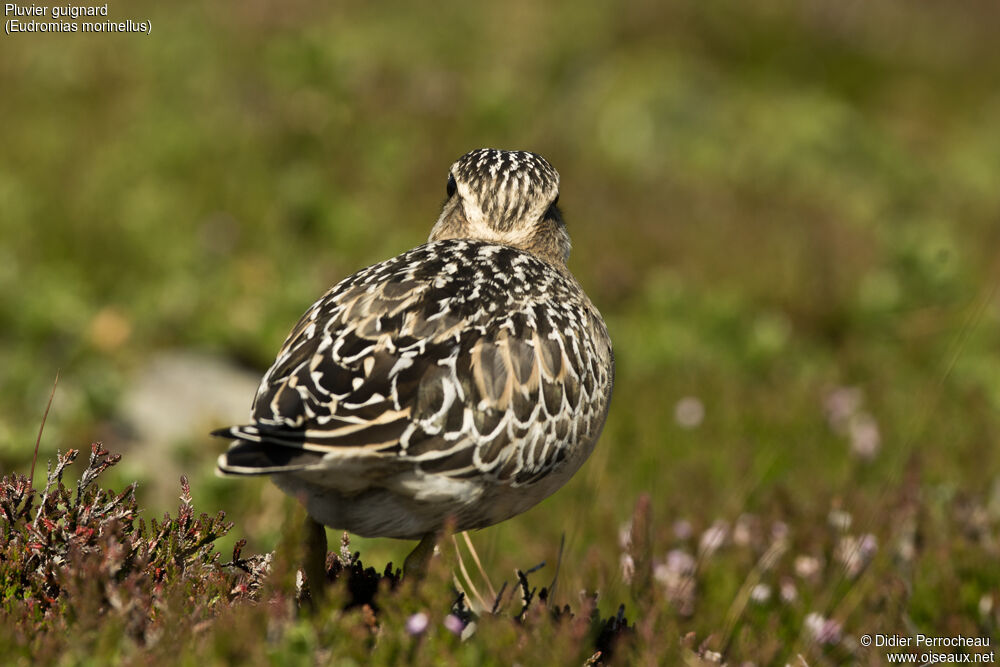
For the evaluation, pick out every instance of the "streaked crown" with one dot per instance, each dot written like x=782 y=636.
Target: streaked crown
x=505 y=197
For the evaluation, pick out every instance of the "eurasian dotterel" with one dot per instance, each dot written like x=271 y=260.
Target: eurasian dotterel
x=466 y=379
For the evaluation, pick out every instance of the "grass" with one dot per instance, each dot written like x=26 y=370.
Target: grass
x=787 y=214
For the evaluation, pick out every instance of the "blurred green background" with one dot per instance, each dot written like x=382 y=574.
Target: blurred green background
x=789 y=214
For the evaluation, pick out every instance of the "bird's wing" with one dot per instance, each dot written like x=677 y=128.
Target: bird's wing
x=404 y=367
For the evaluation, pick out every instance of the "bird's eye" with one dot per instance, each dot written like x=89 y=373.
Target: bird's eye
x=452 y=185
x=553 y=210
x=553 y=213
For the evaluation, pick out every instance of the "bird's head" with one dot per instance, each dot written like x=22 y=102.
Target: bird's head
x=506 y=197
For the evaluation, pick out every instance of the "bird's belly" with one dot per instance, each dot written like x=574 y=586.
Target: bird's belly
x=410 y=506
x=402 y=509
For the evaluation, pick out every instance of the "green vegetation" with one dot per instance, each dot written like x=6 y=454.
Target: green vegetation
x=788 y=213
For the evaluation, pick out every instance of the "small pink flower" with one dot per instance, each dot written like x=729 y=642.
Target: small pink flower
x=677 y=577
x=625 y=536
x=788 y=592
x=760 y=593
x=840 y=519
x=714 y=537
x=454 y=624
x=854 y=553
x=779 y=531
x=628 y=568
x=689 y=412
x=417 y=624
x=807 y=566
x=822 y=630
x=683 y=529
x=865 y=436
x=840 y=406
x=744 y=529
x=680 y=562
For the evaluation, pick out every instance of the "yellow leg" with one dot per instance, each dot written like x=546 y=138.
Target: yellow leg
x=416 y=563
x=314 y=561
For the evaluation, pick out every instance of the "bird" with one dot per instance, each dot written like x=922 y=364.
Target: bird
x=462 y=381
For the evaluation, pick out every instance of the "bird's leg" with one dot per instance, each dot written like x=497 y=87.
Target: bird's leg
x=314 y=560
x=416 y=563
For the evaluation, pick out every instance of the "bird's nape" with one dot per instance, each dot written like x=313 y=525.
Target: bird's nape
x=507 y=197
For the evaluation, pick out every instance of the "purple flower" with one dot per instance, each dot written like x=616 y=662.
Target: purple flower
x=822 y=630
x=417 y=624
x=454 y=624
x=683 y=529
x=681 y=562
x=779 y=530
